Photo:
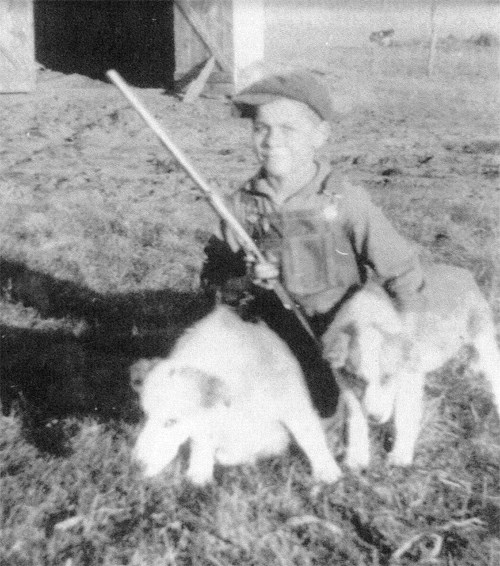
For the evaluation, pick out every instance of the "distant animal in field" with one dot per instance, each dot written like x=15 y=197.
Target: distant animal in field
x=234 y=390
x=381 y=360
x=384 y=37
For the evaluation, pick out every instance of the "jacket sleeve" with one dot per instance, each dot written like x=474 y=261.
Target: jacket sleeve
x=378 y=245
x=224 y=268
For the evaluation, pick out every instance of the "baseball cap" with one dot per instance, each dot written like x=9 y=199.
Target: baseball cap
x=299 y=85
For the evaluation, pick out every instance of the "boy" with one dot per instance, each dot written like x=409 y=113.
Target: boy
x=322 y=236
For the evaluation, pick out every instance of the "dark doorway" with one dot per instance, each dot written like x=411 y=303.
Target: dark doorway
x=88 y=37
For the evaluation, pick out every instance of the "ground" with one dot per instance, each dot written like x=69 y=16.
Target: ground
x=101 y=247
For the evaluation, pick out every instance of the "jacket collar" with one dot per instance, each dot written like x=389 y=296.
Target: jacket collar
x=259 y=185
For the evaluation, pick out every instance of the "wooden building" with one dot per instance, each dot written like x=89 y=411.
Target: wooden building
x=17 y=54
x=150 y=42
x=230 y=30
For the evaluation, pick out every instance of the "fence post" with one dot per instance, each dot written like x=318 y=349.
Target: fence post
x=432 y=49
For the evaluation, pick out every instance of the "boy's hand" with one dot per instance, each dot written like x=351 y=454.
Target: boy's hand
x=264 y=273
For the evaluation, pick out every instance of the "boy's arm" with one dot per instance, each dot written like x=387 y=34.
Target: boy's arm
x=224 y=269
x=227 y=270
x=391 y=256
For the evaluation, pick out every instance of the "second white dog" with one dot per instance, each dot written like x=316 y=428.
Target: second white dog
x=235 y=391
x=381 y=361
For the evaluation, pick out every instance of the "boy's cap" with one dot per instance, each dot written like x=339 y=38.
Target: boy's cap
x=301 y=86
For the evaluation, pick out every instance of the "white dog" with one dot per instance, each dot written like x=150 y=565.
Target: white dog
x=235 y=391
x=381 y=360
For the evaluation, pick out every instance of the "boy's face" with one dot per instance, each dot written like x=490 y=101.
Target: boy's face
x=286 y=135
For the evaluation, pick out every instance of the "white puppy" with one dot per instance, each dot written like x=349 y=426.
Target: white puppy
x=235 y=391
x=381 y=360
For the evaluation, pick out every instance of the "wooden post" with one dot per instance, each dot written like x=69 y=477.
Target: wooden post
x=248 y=39
x=432 y=48
x=232 y=31
x=17 y=51
x=197 y=86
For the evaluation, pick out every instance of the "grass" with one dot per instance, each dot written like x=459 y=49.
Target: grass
x=101 y=247
x=92 y=507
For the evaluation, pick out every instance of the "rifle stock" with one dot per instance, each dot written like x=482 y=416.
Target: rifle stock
x=214 y=199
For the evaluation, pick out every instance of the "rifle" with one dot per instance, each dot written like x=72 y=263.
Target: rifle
x=246 y=242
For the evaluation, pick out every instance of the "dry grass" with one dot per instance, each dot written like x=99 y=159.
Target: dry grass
x=101 y=247
x=92 y=507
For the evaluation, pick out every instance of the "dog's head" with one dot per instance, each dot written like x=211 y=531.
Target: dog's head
x=362 y=344
x=177 y=401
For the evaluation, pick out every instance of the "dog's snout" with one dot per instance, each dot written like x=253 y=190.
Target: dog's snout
x=379 y=411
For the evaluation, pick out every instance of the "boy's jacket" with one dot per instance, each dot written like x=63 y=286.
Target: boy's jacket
x=327 y=238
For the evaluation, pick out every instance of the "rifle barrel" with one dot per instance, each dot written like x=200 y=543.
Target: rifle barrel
x=214 y=199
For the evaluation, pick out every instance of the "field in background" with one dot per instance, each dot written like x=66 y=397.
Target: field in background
x=101 y=244
x=341 y=25
x=346 y=24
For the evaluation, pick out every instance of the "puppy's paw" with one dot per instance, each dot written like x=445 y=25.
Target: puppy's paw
x=328 y=474
x=400 y=457
x=357 y=459
x=199 y=476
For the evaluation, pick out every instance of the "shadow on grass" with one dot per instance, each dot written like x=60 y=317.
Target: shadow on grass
x=118 y=314
x=55 y=373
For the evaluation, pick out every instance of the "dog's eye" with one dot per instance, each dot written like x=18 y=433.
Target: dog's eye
x=351 y=379
x=170 y=423
x=357 y=381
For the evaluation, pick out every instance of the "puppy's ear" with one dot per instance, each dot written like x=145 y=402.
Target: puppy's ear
x=336 y=349
x=138 y=372
x=398 y=352
x=387 y=319
x=213 y=392
x=376 y=308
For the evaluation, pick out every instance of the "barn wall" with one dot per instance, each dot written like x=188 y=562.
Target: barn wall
x=134 y=37
x=17 y=69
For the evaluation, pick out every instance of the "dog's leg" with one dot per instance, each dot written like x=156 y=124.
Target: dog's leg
x=306 y=428
x=358 y=441
x=408 y=409
x=158 y=445
x=201 y=459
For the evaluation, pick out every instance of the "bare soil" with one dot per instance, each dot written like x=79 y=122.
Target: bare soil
x=75 y=155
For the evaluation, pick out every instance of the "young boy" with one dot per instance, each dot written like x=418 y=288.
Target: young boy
x=321 y=235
